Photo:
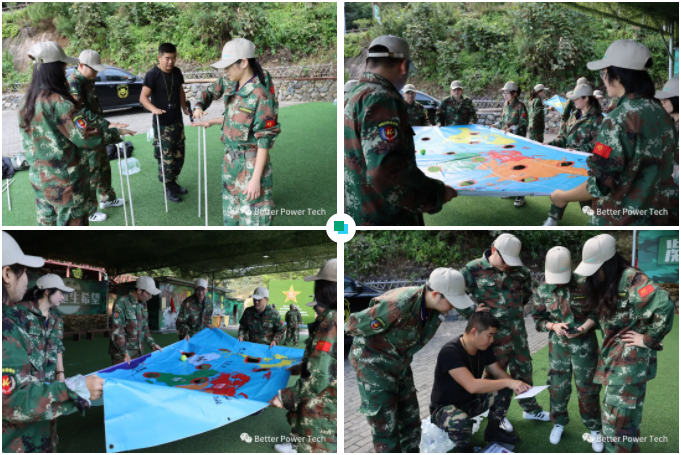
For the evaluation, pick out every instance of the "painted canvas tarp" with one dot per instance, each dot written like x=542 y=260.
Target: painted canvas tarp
x=478 y=160
x=556 y=102
x=160 y=398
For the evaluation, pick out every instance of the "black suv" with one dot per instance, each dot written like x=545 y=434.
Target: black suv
x=357 y=298
x=115 y=88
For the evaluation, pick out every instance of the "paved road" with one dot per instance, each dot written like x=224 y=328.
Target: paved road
x=139 y=120
x=357 y=431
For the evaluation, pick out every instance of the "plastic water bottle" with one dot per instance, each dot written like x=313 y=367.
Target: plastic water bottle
x=130 y=164
x=335 y=101
x=150 y=134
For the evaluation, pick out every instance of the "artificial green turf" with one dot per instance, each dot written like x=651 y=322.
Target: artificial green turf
x=660 y=409
x=78 y=434
x=494 y=211
x=303 y=169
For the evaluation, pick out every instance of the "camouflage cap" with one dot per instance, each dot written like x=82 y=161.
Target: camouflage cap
x=508 y=245
x=670 y=89
x=558 y=267
x=451 y=284
x=49 y=52
x=91 y=58
x=595 y=252
x=398 y=48
x=624 y=53
x=328 y=272
x=234 y=50
x=509 y=87
x=52 y=281
x=408 y=88
x=455 y=84
x=349 y=84
x=580 y=91
x=12 y=254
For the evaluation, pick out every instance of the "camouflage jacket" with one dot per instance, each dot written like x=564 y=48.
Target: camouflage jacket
x=194 y=316
x=568 y=108
x=83 y=90
x=383 y=185
x=388 y=333
x=452 y=112
x=59 y=169
x=536 y=115
x=30 y=405
x=504 y=293
x=312 y=400
x=262 y=327
x=579 y=134
x=632 y=164
x=611 y=105
x=561 y=303
x=646 y=309
x=515 y=114
x=130 y=327
x=293 y=319
x=417 y=114
x=251 y=113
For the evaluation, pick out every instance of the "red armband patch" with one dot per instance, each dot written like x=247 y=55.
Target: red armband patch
x=272 y=89
x=79 y=121
x=9 y=381
x=602 y=150
x=524 y=114
x=270 y=123
x=323 y=346
x=646 y=290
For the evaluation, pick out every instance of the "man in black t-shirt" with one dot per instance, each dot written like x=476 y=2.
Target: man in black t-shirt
x=459 y=393
x=164 y=96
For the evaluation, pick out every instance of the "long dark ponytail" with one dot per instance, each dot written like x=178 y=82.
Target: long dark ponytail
x=257 y=69
x=48 y=78
x=601 y=294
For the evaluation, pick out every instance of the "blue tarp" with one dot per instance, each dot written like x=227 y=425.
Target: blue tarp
x=160 y=398
x=478 y=160
x=556 y=102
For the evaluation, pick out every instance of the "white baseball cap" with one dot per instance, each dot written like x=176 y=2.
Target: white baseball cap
x=670 y=89
x=146 y=283
x=12 y=254
x=349 y=84
x=260 y=293
x=234 y=50
x=595 y=252
x=624 y=53
x=582 y=81
x=540 y=87
x=509 y=87
x=598 y=94
x=91 y=58
x=558 y=267
x=580 y=91
x=313 y=303
x=201 y=283
x=52 y=281
x=408 y=88
x=398 y=48
x=49 y=52
x=452 y=285
x=328 y=272
x=455 y=84
x=509 y=246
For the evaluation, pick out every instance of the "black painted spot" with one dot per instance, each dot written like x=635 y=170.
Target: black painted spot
x=507 y=146
x=250 y=359
x=425 y=138
x=519 y=167
x=566 y=163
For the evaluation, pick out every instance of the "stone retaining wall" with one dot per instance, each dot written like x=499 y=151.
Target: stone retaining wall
x=490 y=116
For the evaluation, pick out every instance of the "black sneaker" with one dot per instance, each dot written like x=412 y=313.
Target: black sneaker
x=494 y=433
x=178 y=189
x=171 y=194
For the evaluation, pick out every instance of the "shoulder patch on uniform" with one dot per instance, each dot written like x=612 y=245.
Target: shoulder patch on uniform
x=272 y=89
x=79 y=121
x=116 y=314
x=377 y=324
x=270 y=123
x=9 y=381
x=524 y=114
x=323 y=346
x=246 y=110
x=646 y=290
x=388 y=130
x=602 y=150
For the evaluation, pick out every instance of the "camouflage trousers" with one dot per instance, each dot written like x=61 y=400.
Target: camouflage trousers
x=116 y=359
x=557 y=213
x=100 y=178
x=293 y=334
x=513 y=353
x=236 y=209
x=581 y=356
x=62 y=205
x=622 y=415
x=392 y=411
x=536 y=135
x=457 y=421
x=172 y=142
x=313 y=423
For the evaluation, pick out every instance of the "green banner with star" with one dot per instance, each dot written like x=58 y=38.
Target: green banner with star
x=297 y=292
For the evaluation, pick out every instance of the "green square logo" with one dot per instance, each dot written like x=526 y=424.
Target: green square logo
x=338 y=226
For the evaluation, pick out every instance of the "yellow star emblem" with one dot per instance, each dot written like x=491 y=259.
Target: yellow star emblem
x=290 y=295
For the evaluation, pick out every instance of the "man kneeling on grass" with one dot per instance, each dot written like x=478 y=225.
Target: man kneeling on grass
x=459 y=393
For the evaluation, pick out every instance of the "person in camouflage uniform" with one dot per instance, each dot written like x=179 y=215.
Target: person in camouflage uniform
x=559 y=305
x=456 y=109
x=669 y=96
x=634 y=316
x=514 y=112
x=499 y=282
x=569 y=106
x=536 y=112
x=383 y=185
x=417 y=113
x=196 y=312
x=396 y=326
x=293 y=321
x=630 y=181
x=130 y=323
x=261 y=323
x=55 y=132
x=249 y=127
x=82 y=87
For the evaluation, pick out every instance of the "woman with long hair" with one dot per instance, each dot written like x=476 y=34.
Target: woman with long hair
x=630 y=172
x=55 y=130
x=249 y=128
x=669 y=96
x=31 y=397
x=536 y=112
x=634 y=316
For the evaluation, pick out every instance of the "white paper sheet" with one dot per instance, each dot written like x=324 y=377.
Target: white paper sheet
x=532 y=392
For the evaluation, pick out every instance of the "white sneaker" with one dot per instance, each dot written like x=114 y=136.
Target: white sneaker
x=556 y=434
x=98 y=216
x=115 y=203
x=543 y=416
x=506 y=425
x=597 y=441
x=550 y=222
x=519 y=201
x=286 y=447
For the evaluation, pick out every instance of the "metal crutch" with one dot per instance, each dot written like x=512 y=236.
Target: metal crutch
x=160 y=147
x=198 y=132
x=127 y=176
x=205 y=174
x=120 y=172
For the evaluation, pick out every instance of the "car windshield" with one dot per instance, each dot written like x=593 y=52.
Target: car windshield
x=349 y=285
x=116 y=75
